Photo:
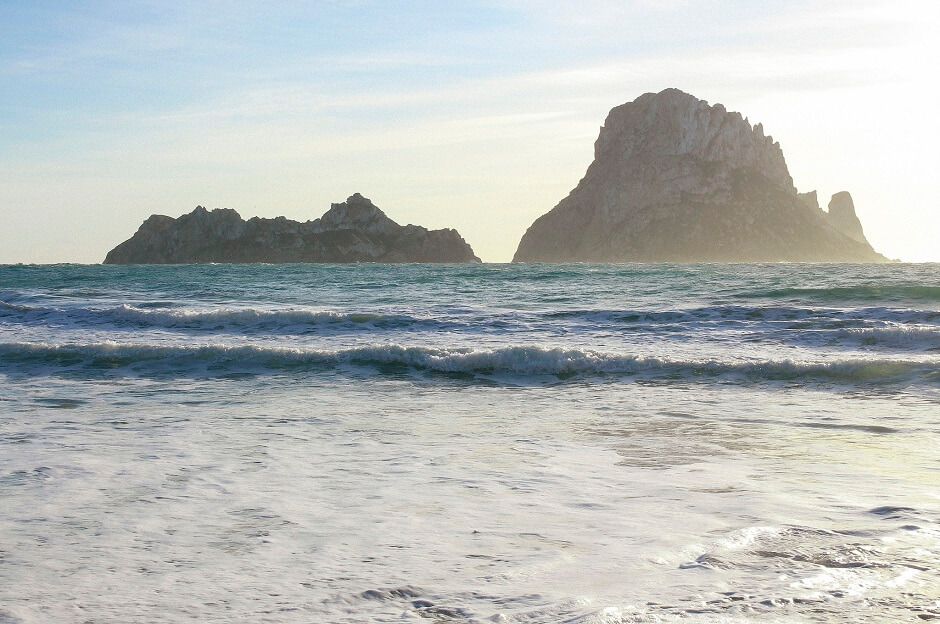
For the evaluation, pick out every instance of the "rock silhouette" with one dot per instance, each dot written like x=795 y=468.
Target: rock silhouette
x=675 y=179
x=353 y=231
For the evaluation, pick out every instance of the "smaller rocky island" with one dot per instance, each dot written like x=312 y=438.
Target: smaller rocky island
x=353 y=231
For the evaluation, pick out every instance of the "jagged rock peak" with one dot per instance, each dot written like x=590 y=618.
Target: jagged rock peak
x=843 y=218
x=811 y=199
x=675 y=123
x=675 y=179
x=353 y=231
x=357 y=212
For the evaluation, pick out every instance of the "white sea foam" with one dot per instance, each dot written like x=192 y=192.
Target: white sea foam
x=530 y=444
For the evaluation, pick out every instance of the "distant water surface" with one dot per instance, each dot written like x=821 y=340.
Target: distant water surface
x=495 y=443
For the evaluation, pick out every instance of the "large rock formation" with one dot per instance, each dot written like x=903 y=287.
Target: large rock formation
x=677 y=180
x=354 y=231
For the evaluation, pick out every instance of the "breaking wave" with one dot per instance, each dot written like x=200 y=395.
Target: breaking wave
x=512 y=363
x=887 y=326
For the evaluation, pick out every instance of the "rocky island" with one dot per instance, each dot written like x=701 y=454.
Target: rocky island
x=353 y=231
x=675 y=179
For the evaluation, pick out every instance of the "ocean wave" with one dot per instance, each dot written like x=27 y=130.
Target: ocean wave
x=258 y=318
x=899 y=338
x=868 y=292
x=795 y=317
x=291 y=320
x=512 y=362
x=866 y=328
x=17 y=307
x=167 y=315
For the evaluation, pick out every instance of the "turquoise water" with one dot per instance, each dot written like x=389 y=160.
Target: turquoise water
x=512 y=443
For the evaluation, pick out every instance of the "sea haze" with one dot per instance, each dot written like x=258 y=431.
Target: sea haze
x=504 y=443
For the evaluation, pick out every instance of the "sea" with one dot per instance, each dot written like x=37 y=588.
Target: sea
x=529 y=443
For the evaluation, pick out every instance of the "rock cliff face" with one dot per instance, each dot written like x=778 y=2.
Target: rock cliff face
x=677 y=180
x=843 y=218
x=354 y=231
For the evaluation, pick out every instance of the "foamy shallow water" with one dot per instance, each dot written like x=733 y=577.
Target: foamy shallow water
x=506 y=444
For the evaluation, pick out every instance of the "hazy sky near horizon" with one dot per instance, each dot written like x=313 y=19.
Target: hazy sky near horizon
x=474 y=114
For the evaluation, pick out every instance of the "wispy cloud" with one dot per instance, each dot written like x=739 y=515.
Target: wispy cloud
x=111 y=43
x=390 y=60
x=782 y=70
x=247 y=99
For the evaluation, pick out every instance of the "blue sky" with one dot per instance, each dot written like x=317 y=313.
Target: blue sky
x=475 y=115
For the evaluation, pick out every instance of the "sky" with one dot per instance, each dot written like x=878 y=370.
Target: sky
x=479 y=115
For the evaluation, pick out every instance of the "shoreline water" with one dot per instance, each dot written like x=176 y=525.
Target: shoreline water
x=512 y=443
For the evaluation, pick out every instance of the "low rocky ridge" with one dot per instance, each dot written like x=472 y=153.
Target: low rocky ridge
x=354 y=231
x=677 y=180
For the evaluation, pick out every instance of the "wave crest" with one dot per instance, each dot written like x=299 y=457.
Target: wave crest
x=292 y=320
x=511 y=363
